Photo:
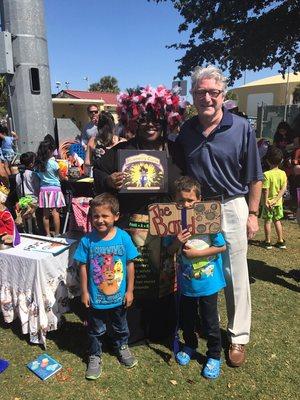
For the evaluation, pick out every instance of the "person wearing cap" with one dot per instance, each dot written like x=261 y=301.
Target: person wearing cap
x=231 y=106
x=90 y=129
x=218 y=148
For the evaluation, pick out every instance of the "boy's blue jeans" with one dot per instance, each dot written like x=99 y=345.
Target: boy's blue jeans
x=97 y=327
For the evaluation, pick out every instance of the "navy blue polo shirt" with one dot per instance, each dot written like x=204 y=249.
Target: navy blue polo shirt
x=226 y=161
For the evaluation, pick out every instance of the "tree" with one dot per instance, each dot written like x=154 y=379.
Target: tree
x=3 y=96
x=190 y=111
x=239 y=35
x=230 y=95
x=106 y=84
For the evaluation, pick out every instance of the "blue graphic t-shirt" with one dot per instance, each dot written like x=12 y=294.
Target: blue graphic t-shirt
x=200 y=276
x=106 y=261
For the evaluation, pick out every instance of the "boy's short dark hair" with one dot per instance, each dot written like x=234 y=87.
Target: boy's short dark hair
x=106 y=199
x=27 y=158
x=274 y=156
x=186 y=184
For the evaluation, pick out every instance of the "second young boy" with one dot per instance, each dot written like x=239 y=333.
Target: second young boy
x=200 y=277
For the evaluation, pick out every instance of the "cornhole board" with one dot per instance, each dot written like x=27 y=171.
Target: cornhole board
x=168 y=219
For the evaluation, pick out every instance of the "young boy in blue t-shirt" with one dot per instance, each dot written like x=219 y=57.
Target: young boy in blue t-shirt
x=107 y=281
x=200 y=277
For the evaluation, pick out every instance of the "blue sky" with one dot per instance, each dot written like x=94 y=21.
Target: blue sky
x=122 y=38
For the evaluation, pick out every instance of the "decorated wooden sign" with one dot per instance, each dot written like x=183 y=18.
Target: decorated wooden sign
x=169 y=219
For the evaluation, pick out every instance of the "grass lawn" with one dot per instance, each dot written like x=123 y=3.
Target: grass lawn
x=270 y=372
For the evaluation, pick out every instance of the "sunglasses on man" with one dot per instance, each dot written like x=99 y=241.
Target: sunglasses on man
x=93 y=112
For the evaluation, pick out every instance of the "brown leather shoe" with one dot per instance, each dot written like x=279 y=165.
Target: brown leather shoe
x=237 y=354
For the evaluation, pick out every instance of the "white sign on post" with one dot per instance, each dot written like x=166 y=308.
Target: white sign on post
x=182 y=87
x=6 y=58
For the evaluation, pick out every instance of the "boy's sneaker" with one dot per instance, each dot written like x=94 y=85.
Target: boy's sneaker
x=281 y=245
x=94 y=367
x=125 y=357
x=212 y=368
x=267 y=245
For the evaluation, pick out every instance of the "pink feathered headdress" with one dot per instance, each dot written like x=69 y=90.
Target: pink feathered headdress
x=150 y=104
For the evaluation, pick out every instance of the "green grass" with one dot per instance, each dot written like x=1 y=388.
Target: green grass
x=269 y=373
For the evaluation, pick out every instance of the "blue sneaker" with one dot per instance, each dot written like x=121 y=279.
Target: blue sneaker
x=184 y=357
x=212 y=368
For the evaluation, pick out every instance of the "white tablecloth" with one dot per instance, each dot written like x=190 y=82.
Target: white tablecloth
x=35 y=286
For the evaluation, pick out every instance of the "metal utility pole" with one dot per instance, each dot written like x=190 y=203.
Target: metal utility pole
x=286 y=100
x=29 y=84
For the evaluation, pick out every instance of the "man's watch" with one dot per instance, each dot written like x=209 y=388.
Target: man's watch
x=253 y=213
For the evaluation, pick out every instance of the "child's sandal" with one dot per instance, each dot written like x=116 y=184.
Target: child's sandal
x=184 y=357
x=212 y=368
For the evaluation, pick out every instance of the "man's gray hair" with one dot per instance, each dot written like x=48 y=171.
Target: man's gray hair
x=209 y=72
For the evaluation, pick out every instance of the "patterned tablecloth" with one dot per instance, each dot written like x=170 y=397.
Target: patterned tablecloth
x=36 y=286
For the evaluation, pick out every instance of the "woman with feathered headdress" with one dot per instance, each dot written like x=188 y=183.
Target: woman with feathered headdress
x=149 y=114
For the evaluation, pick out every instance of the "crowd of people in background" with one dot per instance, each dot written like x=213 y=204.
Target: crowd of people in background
x=287 y=141
x=216 y=152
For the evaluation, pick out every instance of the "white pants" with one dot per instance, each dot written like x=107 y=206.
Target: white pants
x=237 y=291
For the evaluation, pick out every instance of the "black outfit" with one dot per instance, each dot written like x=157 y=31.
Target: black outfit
x=208 y=307
x=148 y=317
x=136 y=202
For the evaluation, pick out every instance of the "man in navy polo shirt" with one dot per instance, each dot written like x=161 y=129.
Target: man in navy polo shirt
x=219 y=149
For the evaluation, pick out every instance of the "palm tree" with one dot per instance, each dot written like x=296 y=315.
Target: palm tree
x=106 y=84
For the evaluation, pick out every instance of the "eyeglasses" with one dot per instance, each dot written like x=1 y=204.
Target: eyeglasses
x=93 y=112
x=213 y=93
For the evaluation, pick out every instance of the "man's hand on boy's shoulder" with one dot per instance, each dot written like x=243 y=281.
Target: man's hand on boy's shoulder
x=85 y=299
x=128 y=299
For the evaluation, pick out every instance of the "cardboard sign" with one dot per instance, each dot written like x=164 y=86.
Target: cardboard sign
x=154 y=269
x=167 y=219
x=145 y=171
